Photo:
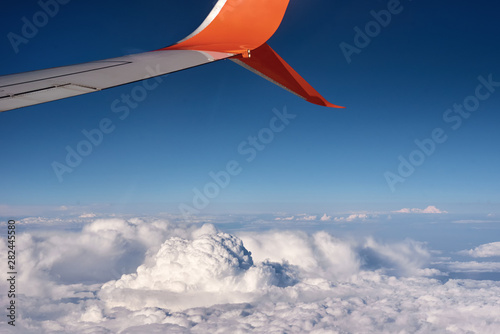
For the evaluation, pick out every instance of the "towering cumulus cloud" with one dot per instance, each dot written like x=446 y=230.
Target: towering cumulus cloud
x=152 y=276
x=212 y=268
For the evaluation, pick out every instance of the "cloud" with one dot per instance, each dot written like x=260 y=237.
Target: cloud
x=149 y=275
x=353 y=217
x=286 y=218
x=325 y=218
x=308 y=218
x=25 y=210
x=212 y=268
x=305 y=217
x=474 y=221
x=474 y=267
x=88 y=215
x=319 y=255
x=486 y=250
x=62 y=264
x=429 y=209
x=407 y=258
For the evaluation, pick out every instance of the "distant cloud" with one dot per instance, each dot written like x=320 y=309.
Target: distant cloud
x=305 y=217
x=285 y=218
x=51 y=211
x=353 y=217
x=26 y=210
x=325 y=218
x=429 y=209
x=474 y=221
x=308 y=218
x=88 y=215
x=486 y=250
x=41 y=221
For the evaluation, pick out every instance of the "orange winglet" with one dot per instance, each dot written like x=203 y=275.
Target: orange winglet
x=236 y=26
x=242 y=28
x=265 y=62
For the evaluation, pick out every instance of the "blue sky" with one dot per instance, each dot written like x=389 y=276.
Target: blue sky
x=396 y=90
x=306 y=233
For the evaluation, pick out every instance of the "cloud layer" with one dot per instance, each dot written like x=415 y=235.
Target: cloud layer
x=429 y=209
x=487 y=250
x=147 y=276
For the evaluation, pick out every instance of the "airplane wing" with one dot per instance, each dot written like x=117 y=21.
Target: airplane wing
x=29 y=88
x=236 y=29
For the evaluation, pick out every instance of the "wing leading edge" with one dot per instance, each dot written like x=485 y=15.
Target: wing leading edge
x=236 y=29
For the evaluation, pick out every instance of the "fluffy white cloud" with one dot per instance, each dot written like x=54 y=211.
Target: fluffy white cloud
x=429 y=209
x=152 y=276
x=62 y=264
x=486 y=250
x=318 y=256
x=212 y=268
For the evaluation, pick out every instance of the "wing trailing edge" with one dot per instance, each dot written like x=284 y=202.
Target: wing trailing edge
x=265 y=62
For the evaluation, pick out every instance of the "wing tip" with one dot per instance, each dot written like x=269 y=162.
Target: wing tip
x=235 y=26
x=266 y=63
x=321 y=101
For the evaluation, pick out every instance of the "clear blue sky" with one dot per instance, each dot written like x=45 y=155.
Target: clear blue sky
x=396 y=90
